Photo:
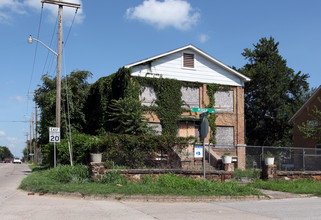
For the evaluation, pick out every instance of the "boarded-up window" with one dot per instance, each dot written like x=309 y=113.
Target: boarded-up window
x=156 y=127
x=190 y=97
x=225 y=136
x=147 y=96
x=224 y=101
x=188 y=128
x=188 y=60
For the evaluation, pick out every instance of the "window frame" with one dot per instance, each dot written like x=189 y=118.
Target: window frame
x=183 y=60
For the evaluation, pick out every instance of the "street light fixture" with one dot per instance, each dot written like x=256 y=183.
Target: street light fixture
x=31 y=39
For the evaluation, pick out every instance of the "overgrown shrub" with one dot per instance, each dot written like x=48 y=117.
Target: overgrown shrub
x=118 y=149
x=147 y=179
x=136 y=151
x=68 y=174
x=176 y=182
x=114 y=178
x=248 y=173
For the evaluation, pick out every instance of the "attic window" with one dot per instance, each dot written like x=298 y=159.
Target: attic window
x=188 y=60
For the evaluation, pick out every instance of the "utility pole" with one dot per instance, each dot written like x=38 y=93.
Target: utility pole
x=36 y=136
x=61 y=4
x=33 y=136
x=60 y=26
x=27 y=146
x=30 y=151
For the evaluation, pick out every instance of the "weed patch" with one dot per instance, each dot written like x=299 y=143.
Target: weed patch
x=67 y=179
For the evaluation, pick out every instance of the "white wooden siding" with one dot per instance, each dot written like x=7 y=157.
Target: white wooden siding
x=205 y=71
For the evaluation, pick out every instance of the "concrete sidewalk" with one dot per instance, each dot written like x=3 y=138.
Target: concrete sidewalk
x=283 y=195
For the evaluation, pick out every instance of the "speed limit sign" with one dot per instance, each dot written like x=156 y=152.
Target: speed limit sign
x=54 y=134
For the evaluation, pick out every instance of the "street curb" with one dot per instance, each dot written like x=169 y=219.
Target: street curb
x=158 y=198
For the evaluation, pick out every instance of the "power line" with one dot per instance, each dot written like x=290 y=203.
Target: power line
x=15 y=121
x=73 y=20
x=34 y=60
x=51 y=60
x=35 y=55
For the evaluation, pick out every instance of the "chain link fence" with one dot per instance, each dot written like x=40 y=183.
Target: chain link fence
x=285 y=158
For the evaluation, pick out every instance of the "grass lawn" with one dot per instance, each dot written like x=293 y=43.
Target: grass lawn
x=67 y=179
x=76 y=179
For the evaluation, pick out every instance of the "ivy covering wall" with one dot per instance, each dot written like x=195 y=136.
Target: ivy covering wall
x=168 y=101
x=211 y=90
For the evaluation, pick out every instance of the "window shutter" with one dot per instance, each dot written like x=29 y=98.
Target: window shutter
x=188 y=60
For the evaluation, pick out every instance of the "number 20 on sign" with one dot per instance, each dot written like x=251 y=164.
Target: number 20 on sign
x=54 y=134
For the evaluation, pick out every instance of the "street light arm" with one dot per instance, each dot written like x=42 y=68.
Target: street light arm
x=30 y=39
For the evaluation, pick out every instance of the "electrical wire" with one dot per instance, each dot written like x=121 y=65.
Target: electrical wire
x=35 y=55
x=68 y=112
x=68 y=128
x=50 y=45
x=73 y=20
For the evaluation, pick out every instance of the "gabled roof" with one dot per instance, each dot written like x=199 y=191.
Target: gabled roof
x=313 y=96
x=192 y=47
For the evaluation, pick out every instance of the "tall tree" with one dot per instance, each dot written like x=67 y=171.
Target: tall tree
x=73 y=97
x=5 y=153
x=272 y=96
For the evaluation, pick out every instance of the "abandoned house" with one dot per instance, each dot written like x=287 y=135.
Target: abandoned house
x=198 y=70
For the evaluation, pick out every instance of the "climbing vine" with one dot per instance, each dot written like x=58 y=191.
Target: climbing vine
x=169 y=101
x=211 y=90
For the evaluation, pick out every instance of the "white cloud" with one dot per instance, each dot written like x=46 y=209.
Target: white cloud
x=12 y=5
x=2 y=133
x=12 y=140
x=176 y=13
x=18 y=98
x=203 y=38
x=8 y=8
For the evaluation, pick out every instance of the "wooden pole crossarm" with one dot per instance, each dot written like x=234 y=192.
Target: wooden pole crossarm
x=60 y=3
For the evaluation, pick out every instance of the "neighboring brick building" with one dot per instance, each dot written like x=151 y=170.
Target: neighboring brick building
x=190 y=64
x=304 y=114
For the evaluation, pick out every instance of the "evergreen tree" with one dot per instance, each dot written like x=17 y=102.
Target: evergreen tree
x=272 y=96
x=127 y=116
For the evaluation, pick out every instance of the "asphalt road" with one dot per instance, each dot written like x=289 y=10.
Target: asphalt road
x=17 y=204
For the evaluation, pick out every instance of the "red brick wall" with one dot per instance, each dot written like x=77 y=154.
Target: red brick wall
x=304 y=115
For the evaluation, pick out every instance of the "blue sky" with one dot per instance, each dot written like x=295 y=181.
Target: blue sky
x=107 y=35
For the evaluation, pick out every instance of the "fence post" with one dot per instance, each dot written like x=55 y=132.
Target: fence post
x=262 y=157
x=303 y=160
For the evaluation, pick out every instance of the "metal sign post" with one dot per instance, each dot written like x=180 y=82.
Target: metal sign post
x=54 y=136
x=204 y=132
x=55 y=155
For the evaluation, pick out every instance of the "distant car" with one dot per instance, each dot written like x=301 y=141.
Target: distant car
x=7 y=160
x=16 y=160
